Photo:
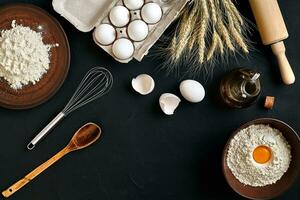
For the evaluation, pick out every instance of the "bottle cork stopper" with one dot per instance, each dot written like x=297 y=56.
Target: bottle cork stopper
x=269 y=102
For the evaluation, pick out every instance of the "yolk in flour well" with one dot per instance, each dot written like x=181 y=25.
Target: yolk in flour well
x=262 y=154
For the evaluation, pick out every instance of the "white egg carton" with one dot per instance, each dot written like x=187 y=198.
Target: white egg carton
x=85 y=15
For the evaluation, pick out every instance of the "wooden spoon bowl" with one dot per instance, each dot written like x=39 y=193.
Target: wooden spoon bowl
x=274 y=190
x=85 y=136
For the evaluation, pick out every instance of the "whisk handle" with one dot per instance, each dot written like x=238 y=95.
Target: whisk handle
x=45 y=131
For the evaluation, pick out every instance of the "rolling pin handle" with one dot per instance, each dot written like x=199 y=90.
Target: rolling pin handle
x=286 y=71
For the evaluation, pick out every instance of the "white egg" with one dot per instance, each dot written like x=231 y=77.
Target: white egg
x=192 y=91
x=119 y=16
x=105 y=34
x=133 y=4
x=137 y=30
x=151 y=13
x=123 y=49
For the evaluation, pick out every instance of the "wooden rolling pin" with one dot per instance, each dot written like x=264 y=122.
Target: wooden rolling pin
x=273 y=31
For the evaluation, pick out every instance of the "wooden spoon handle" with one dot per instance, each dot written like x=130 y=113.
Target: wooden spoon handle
x=286 y=71
x=18 y=185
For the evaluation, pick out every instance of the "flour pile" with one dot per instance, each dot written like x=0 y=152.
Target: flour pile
x=240 y=160
x=24 y=58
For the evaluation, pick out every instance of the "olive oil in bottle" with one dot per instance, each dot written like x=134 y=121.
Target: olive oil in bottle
x=240 y=88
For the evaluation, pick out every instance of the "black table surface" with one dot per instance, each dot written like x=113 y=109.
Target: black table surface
x=143 y=154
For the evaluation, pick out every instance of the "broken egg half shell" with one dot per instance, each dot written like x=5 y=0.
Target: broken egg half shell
x=192 y=91
x=151 y=13
x=133 y=4
x=123 y=49
x=143 y=84
x=105 y=34
x=168 y=103
x=137 y=30
x=119 y=16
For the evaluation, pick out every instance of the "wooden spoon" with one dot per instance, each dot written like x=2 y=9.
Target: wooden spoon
x=84 y=137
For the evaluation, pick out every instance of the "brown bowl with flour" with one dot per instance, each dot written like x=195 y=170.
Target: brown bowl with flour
x=38 y=20
x=282 y=185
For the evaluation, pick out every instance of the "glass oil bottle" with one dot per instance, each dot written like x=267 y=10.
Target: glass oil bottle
x=240 y=88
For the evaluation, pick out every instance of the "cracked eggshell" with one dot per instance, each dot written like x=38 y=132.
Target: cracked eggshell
x=143 y=84
x=119 y=16
x=168 y=103
x=192 y=91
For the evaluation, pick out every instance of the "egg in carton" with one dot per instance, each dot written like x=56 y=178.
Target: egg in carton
x=125 y=29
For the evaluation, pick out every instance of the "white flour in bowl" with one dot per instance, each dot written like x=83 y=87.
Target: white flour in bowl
x=24 y=58
x=240 y=155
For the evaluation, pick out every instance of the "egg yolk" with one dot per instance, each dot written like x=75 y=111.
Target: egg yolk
x=262 y=154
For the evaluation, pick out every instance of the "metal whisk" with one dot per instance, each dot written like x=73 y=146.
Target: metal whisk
x=96 y=83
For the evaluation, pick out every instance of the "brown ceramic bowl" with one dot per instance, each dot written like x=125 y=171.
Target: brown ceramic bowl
x=274 y=190
x=33 y=95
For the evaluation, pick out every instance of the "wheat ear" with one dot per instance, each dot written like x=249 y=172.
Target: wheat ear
x=213 y=11
x=213 y=46
x=216 y=40
x=235 y=12
x=221 y=28
x=173 y=47
x=220 y=44
x=232 y=16
x=202 y=30
x=193 y=36
x=236 y=34
x=185 y=32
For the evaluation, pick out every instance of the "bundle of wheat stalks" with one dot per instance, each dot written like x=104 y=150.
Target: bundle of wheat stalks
x=208 y=28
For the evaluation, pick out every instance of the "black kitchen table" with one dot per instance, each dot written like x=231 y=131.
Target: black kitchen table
x=143 y=154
